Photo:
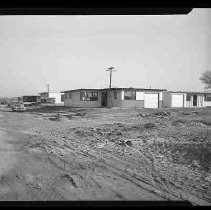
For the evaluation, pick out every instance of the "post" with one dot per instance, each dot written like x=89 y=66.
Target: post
x=48 y=88
x=110 y=79
x=111 y=69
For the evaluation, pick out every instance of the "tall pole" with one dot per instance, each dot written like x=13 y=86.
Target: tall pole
x=48 y=89
x=111 y=69
x=110 y=79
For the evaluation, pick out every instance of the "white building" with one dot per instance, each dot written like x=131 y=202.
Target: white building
x=52 y=97
x=176 y=99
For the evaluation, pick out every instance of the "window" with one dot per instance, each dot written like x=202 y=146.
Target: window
x=115 y=95
x=207 y=97
x=88 y=96
x=68 y=95
x=129 y=95
x=44 y=95
x=188 y=97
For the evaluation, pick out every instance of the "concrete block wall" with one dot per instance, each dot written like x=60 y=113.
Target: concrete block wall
x=111 y=101
x=76 y=102
x=139 y=102
x=166 y=99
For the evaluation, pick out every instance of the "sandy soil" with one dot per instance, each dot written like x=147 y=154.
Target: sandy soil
x=106 y=154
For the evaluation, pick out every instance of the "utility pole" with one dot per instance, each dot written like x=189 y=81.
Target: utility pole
x=111 y=69
x=48 y=88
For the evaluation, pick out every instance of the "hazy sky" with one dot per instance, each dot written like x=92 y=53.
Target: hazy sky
x=69 y=52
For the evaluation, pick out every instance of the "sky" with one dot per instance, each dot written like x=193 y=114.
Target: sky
x=71 y=52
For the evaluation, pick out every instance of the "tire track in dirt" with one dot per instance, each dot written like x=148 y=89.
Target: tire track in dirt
x=117 y=171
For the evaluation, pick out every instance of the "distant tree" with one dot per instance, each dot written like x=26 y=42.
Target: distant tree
x=206 y=79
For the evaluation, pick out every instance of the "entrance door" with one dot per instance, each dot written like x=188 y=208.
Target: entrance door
x=104 y=99
x=194 y=100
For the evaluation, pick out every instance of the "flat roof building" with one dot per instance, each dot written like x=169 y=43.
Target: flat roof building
x=114 y=97
x=176 y=99
x=52 y=97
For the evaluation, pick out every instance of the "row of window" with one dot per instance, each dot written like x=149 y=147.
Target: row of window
x=128 y=95
x=84 y=96
x=88 y=96
x=206 y=97
x=93 y=96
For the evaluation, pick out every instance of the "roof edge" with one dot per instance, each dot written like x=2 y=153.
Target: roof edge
x=101 y=89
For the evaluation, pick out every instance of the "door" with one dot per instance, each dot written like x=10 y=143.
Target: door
x=151 y=100
x=177 y=100
x=104 y=100
x=194 y=100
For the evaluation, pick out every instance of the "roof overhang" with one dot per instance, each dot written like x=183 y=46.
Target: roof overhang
x=190 y=92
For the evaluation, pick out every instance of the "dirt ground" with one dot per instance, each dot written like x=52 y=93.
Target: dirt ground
x=59 y=153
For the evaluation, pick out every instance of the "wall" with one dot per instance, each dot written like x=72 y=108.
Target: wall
x=166 y=99
x=57 y=97
x=111 y=102
x=200 y=101
x=160 y=103
x=133 y=103
x=44 y=95
x=207 y=103
x=76 y=102
x=139 y=102
x=120 y=102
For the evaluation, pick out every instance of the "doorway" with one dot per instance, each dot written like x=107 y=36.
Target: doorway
x=194 y=100
x=104 y=101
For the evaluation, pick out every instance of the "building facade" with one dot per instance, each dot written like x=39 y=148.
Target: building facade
x=114 y=97
x=186 y=99
x=52 y=97
x=29 y=99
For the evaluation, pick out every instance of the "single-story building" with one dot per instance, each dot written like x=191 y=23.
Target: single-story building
x=30 y=99
x=52 y=97
x=114 y=97
x=207 y=99
x=176 y=99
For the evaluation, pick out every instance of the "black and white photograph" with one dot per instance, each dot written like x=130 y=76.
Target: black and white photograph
x=106 y=107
